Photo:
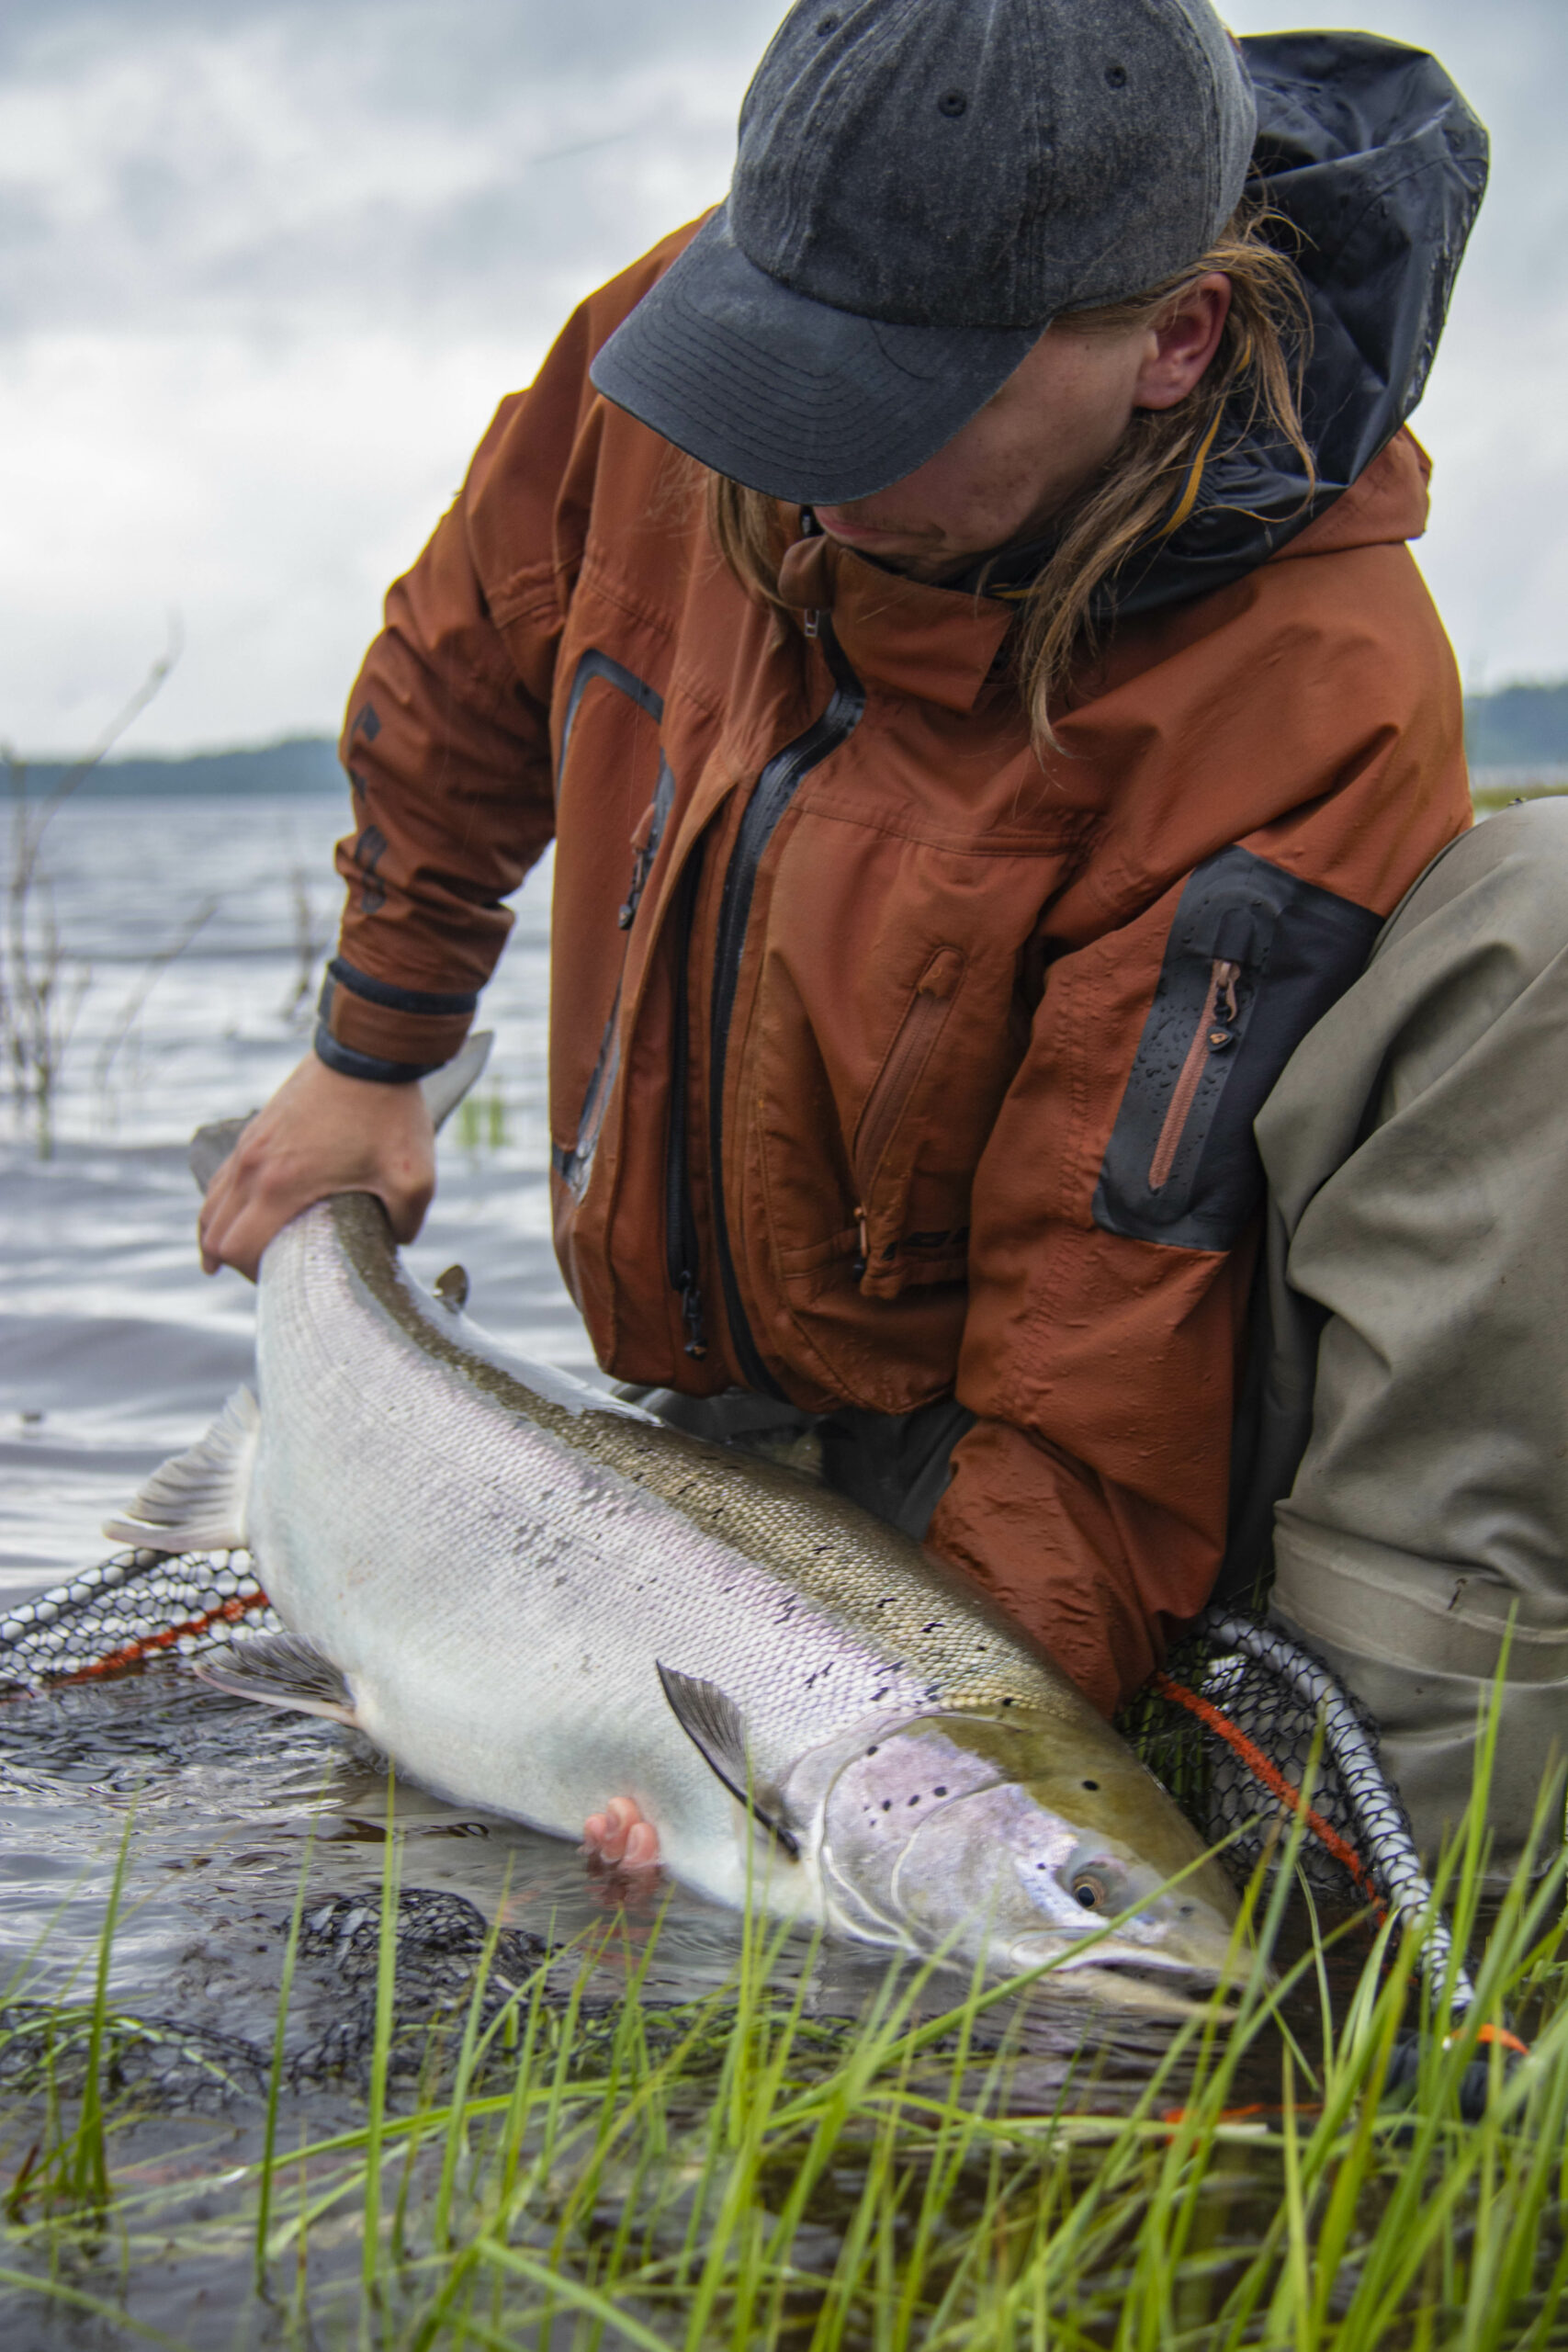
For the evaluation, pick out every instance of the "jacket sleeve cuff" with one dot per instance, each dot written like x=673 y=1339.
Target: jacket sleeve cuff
x=369 y=1028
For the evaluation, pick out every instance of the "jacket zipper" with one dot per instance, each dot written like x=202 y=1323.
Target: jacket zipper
x=682 y=1250
x=917 y=1033
x=1210 y=1037
x=774 y=789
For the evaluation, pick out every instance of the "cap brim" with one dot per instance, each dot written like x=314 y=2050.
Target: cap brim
x=808 y=403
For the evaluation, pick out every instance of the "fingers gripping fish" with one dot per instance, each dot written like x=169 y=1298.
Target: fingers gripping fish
x=531 y=1594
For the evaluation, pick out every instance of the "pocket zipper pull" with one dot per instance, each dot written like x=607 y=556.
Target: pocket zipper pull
x=641 y=866
x=692 y=1315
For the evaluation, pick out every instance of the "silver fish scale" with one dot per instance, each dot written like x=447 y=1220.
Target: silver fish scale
x=563 y=1544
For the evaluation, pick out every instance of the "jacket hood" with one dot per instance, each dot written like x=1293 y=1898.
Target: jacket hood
x=1373 y=167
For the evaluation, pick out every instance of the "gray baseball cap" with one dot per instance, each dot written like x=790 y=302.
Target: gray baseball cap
x=922 y=186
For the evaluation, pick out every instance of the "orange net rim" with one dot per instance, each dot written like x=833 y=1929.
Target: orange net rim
x=1274 y=1780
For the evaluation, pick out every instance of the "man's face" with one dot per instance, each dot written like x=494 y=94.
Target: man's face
x=1053 y=426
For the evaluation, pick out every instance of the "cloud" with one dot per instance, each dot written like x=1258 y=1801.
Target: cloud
x=267 y=265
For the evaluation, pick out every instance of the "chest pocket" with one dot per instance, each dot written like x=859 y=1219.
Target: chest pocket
x=1255 y=957
x=912 y=1225
x=573 y=1163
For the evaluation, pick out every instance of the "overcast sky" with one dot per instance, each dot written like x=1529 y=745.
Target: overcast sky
x=266 y=266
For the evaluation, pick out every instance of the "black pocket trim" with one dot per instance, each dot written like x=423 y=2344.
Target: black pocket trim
x=574 y=1164
x=1254 y=960
x=594 y=664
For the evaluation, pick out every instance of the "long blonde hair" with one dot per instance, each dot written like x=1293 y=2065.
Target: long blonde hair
x=1149 y=485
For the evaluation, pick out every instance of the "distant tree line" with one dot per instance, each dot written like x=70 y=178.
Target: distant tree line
x=1516 y=727
x=304 y=764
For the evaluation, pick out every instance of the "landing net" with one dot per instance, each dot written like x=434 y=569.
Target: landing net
x=1250 y=1731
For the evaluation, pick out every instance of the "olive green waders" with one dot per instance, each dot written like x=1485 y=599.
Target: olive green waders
x=1416 y=1149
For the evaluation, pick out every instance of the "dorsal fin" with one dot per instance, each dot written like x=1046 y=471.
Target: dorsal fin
x=711 y=1721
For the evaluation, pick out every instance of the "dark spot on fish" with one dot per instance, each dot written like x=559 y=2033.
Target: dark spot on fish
x=874 y=1697
x=939 y=1792
x=871 y=1751
x=916 y=1798
x=1007 y=1703
x=886 y=1804
x=932 y=1626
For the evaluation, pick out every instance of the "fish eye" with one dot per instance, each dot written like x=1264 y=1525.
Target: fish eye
x=1087 y=1891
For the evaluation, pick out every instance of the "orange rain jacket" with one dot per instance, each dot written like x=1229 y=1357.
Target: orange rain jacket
x=885 y=1060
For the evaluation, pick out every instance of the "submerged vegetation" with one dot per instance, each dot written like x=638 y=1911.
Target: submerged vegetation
x=552 y=2158
x=42 y=985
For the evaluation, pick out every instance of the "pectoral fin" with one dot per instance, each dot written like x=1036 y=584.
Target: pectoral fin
x=711 y=1721
x=282 y=1671
x=197 y=1501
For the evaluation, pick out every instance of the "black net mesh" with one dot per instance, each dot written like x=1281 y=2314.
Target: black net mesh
x=1203 y=1727
x=127 y=1611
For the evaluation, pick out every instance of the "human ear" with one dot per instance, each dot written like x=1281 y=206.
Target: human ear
x=1184 y=338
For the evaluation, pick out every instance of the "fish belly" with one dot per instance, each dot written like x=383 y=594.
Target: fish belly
x=496 y=1602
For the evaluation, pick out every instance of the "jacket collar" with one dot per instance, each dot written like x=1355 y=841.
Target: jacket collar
x=903 y=634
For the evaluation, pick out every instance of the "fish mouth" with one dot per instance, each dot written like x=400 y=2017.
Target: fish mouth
x=1132 y=1968
x=1168 y=1994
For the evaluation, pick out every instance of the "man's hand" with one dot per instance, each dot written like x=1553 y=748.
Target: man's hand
x=321 y=1134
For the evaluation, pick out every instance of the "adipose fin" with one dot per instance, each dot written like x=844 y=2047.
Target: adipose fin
x=711 y=1721
x=282 y=1671
x=197 y=1501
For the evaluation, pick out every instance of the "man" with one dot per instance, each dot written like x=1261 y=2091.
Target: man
x=984 y=720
